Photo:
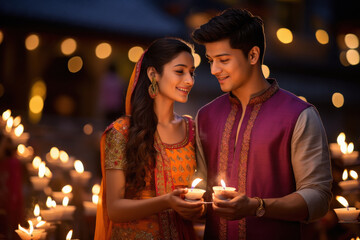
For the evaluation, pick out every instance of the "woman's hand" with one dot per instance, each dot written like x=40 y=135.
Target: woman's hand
x=188 y=210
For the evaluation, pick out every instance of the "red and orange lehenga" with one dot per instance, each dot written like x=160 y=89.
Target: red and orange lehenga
x=175 y=165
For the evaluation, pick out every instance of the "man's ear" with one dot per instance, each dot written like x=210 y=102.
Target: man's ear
x=254 y=55
x=151 y=73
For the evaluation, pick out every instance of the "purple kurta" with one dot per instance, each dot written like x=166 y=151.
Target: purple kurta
x=260 y=163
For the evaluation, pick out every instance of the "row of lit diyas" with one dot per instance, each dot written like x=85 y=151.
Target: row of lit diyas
x=343 y=150
x=348 y=184
x=13 y=128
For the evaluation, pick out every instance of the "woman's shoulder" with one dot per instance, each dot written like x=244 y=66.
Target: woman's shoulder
x=121 y=125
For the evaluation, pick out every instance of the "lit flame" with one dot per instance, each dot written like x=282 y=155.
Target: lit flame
x=350 y=148
x=23 y=229
x=19 y=130
x=66 y=189
x=54 y=153
x=223 y=184
x=69 y=235
x=64 y=157
x=40 y=224
x=342 y=200
x=341 y=138
x=21 y=148
x=17 y=121
x=195 y=182
x=48 y=172
x=53 y=203
x=353 y=174
x=96 y=189
x=65 y=201
x=345 y=175
x=38 y=219
x=6 y=115
x=9 y=122
x=36 y=210
x=31 y=229
x=79 y=167
x=42 y=170
x=95 y=199
x=49 y=202
x=343 y=147
x=36 y=162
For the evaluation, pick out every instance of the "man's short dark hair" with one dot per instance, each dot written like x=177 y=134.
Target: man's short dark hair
x=239 y=26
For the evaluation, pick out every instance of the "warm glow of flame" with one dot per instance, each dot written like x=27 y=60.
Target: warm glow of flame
x=36 y=162
x=345 y=175
x=23 y=229
x=6 y=115
x=36 y=210
x=54 y=153
x=195 y=182
x=69 y=235
x=79 y=167
x=49 y=202
x=64 y=157
x=21 y=148
x=341 y=138
x=42 y=169
x=342 y=200
x=343 y=147
x=65 y=201
x=38 y=219
x=353 y=174
x=17 y=121
x=96 y=189
x=9 y=122
x=95 y=199
x=19 y=130
x=223 y=184
x=53 y=203
x=40 y=224
x=350 y=148
x=66 y=189
x=31 y=229
x=48 y=172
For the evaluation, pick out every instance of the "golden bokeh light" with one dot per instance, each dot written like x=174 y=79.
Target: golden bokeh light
x=322 y=36
x=284 y=35
x=39 y=88
x=197 y=59
x=266 y=71
x=88 y=129
x=352 y=56
x=68 y=46
x=1 y=36
x=75 y=64
x=32 y=42
x=351 y=40
x=343 y=59
x=103 y=50
x=135 y=53
x=302 y=98
x=338 y=100
x=36 y=104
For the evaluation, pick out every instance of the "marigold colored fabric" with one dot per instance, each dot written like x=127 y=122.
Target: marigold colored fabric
x=175 y=165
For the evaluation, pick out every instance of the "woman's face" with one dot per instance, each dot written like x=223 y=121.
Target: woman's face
x=177 y=78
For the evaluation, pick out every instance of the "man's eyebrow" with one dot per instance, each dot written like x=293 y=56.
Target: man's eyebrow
x=219 y=55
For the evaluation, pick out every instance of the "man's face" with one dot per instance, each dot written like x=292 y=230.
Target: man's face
x=230 y=66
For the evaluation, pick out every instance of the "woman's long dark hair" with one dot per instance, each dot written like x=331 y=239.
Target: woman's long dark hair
x=140 y=151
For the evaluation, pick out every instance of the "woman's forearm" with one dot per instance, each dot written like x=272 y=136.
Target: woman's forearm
x=124 y=210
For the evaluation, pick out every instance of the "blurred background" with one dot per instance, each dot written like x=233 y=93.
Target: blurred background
x=65 y=65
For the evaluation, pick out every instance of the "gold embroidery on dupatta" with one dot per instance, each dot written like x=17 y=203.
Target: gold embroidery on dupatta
x=223 y=160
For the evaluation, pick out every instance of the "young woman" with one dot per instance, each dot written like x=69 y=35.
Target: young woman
x=148 y=156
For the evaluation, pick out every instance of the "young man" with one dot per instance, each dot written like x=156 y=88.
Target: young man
x=259 y=138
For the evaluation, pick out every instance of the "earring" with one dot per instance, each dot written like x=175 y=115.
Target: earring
x=153 y=88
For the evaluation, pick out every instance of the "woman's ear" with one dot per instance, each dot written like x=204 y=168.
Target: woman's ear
x=151 y=72
x=254 y=55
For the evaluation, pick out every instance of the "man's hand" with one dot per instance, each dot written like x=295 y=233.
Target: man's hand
x=236 y=207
